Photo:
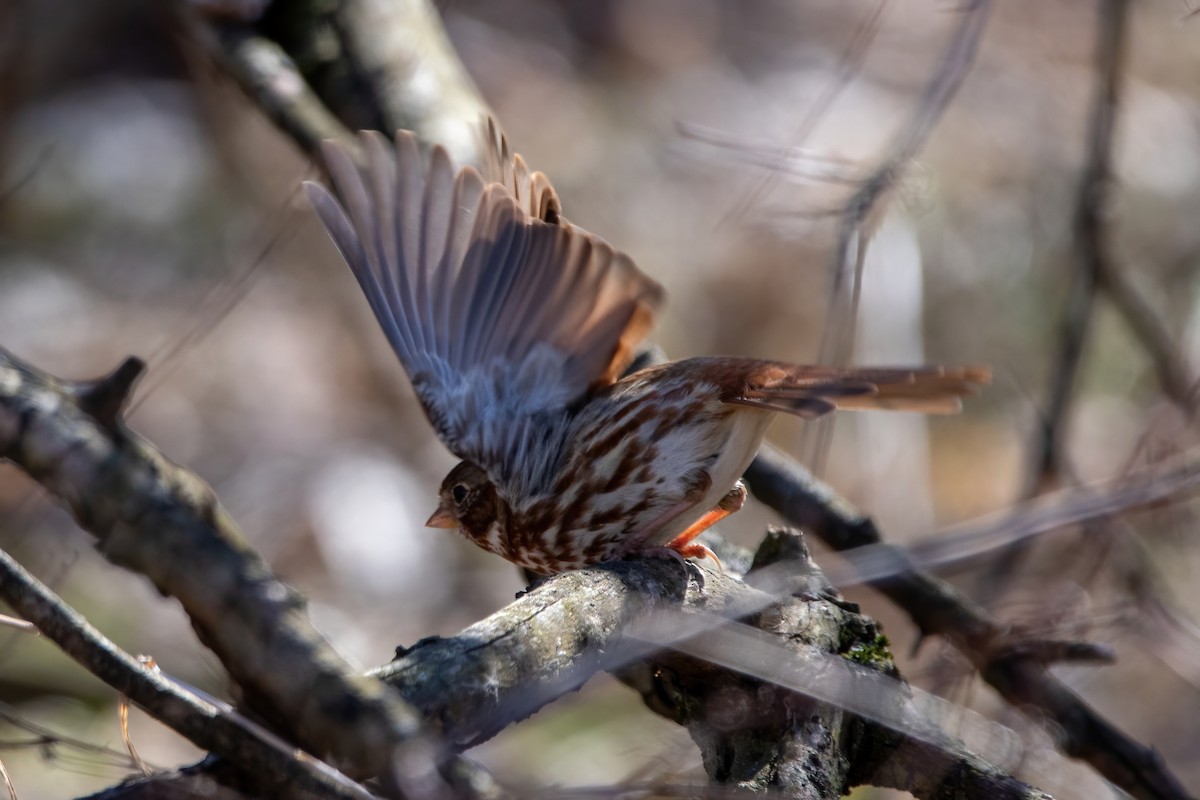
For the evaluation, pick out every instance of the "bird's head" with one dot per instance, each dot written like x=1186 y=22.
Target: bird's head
x=468 y=501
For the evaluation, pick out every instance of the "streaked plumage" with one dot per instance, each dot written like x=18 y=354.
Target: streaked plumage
x=514 y=326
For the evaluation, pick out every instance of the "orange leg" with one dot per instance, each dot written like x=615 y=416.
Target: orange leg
x=729 y=504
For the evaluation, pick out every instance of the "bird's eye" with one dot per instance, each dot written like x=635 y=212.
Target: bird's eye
x=459 y=493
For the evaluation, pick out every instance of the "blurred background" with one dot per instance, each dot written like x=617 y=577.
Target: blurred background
x=146 y=207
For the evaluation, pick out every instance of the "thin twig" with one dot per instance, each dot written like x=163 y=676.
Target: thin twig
x=864 y=207
x=1092 y=262
x=1145 y=322
x=123 y=715
x=19 y=624
x=8 y=784
x=952 y=69
x=849 y=64
x=1091 y=254
x=976 y=539
x=44 y=737
x=271 y=763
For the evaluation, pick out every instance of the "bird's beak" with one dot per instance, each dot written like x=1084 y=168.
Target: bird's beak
x=441 y=519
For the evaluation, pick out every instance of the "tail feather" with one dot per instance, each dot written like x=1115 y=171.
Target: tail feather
x=813 y=391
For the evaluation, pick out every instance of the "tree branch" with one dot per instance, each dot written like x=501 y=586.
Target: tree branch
x=938 y=608
x=1089 y=228
x=269 y=764
x=267 y=74
x=319 y=72
x=160 y=520
x=828 y=712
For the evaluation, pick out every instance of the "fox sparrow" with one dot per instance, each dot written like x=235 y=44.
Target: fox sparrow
x=515 y=326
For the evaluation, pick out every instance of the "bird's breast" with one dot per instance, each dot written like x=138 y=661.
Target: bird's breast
x=631 y=457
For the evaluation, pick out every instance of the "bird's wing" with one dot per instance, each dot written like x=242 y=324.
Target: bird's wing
x=501 y=319
x=812 y=391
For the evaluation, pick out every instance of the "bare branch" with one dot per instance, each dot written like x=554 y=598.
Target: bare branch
x=158 y=519
x=321 y=71
x=849 y=64
x=955 y=62
x=1145 y=322
x=936 y=607
x=268 y=74
x=972 y=540
x=1091 y=249
x=270 y=763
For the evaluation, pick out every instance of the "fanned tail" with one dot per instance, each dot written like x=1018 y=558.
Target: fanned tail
x=812 y=391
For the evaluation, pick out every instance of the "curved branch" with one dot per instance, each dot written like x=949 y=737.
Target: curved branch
x=270 y=765
x=153 y=517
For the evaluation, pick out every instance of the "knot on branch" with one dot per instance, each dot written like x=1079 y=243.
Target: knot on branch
x=104 y=399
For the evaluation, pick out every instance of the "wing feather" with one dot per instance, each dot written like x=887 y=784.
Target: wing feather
x=469 y=184
x=504 y=232
x=343 y=228
x=436 y=214
x=532 y=190
x=388 y=240
x=413 y=280
x=502 y=313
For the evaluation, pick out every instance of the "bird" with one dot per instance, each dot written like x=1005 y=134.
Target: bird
x=515 y=327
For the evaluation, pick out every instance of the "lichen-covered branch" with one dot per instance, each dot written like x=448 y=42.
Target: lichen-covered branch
x=806 y=727
x=547 y=643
